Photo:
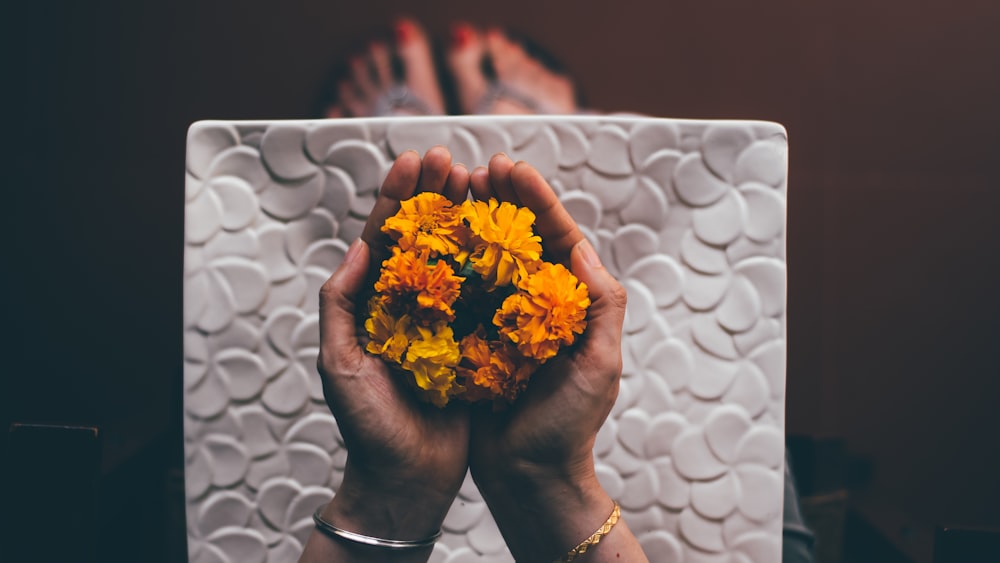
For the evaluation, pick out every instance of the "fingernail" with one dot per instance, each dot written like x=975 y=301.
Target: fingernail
x=404 y=31
x=461 y=35
x=353 y=251
x=588 y=253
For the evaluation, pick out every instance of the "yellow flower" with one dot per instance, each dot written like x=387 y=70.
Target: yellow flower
x=407 y=277
x=547 y=312
x=492 y=370
x=389 y=335
x=505 y=250
x=427 y=221
x=432 y=357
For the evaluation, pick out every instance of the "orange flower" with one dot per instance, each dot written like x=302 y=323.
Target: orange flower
x=389 y=335
x=426 y=221
x=505 y=250
x=492 y=370
x=419 y=295
x=547 y=312
x=407 y=277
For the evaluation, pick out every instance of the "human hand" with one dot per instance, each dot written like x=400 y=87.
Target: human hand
x=554 y=422
x=534 y=462
x=406 y=459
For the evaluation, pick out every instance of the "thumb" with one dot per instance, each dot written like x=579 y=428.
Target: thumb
x=337 y=328
x=607 y=309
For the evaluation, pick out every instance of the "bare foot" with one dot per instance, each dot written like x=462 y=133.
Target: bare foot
x=376 y=86
x=521 y=85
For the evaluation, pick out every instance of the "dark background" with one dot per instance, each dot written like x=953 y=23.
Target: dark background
x=893 y=114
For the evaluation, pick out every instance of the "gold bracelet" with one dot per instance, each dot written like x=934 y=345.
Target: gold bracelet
x=594 y=538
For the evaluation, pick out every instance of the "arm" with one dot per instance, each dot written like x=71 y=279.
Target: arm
x=534 y=463
x=406 y=459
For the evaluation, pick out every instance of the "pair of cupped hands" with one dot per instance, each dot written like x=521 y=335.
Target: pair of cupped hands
x=407 y=459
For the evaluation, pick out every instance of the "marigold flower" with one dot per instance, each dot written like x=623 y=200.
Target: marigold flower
x=432 y=357
x=536 y=307
x=505 y=249
x=427 y=221
x=389 y=335
x=547 y=312
x=492 y=370
x=407 y=277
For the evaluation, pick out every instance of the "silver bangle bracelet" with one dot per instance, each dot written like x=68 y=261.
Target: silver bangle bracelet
x=338 y=533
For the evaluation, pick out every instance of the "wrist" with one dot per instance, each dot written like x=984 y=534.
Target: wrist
x=574 y=470
x=528 y=484
x=544 y=511
x=388 y=507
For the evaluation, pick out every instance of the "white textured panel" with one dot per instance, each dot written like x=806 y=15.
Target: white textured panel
x=690 y=215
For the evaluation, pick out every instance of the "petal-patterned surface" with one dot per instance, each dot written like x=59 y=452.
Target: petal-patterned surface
x=722 y=144
x=609 y=151
x=689 y=215
x=764 y=161
x=292 y=199
x=211 y=139
x=717 y=498
x=648 y=138
x=695 y=184
x=281 y=150
x=661 y=274
x=722 y=222
x=740 y=308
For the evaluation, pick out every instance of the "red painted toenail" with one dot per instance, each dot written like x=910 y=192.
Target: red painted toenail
x=404 y=31
x=461 y=35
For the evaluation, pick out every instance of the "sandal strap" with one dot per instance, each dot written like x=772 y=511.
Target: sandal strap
x=501 y=91
x=400 y=97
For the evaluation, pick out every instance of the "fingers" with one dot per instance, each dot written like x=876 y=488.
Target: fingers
x=435 y=169
x=522 y=185
x=607 y=310
x=456 y=188
x=400 y=183
x=500 y=168
x=340 y=352
x=552 y=222
x=409 y=175
x=479 y=184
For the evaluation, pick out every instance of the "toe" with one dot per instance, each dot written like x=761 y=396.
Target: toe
x=351 y=101
x=516 y=71
x=381 y=60
x=465 y=58
x=361 y=74
x=414 y=52
x=508 y=57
